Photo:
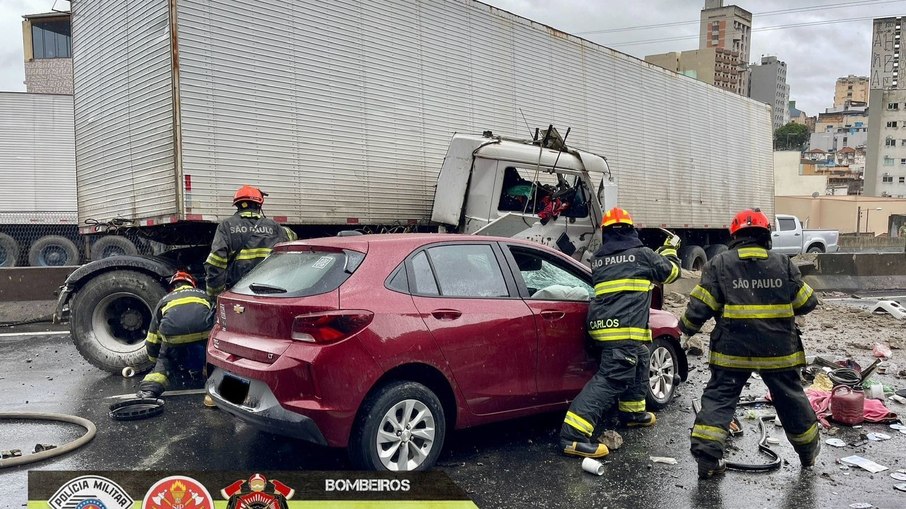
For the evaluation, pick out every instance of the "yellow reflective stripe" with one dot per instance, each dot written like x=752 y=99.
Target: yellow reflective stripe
x=579 y=423
x=674 y=274
x=217 y=261
x=152 y=359
x=291 y=235
x=186 y=338
x=160 y=378
x=752 y=252
x=712 y=433
x=802 y=296
x=749 y=311
x=248 y=213
x=623 y=285
x=668 y=252
x=621 y=333
x=632 y=406
x=689 y=324
x=757 y=363
x=152 y=338
x=804 y=438
x=705 y=296
x=183 y=301
x=251 y=254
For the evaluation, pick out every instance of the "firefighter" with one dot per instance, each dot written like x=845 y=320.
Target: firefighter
x=241 y=241
x=177 y=335
x=624 y=272
x=754 y=295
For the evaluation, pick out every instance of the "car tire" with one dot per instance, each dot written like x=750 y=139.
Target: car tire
x=713 y=250
x=816 y=248
x=112 y=245
x=384 y=413
x=663 y=373
x=53 y=251
x=692 y=257
x=110 y=316
x=9 y=251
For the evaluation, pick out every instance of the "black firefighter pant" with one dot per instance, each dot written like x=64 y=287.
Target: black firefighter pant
x=174 y=361
x=712 y=424
x=622 y=376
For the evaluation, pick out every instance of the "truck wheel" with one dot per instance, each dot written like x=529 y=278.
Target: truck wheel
x=112 y=245
x=400 y=428
x=110 y=318
x=713 y=250
x=9 y=251
x=53 y=251
x=692 y=257
x=815 y=248
x=663 y=374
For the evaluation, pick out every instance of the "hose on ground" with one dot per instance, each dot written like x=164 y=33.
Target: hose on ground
x=90 y=432
x=763 y=446
x=845 y=376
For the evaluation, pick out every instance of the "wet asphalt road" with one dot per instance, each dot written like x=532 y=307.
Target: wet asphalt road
x=511 y=464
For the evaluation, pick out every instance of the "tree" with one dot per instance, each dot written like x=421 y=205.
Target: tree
x=791 y=137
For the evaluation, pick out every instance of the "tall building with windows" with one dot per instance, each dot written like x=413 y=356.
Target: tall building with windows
x=729 y=28
x=849 y=90
x=885 y=165
x=713 y=66
x=48 y=53
x=767 y=84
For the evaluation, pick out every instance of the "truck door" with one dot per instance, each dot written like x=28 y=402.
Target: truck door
x=787 y=238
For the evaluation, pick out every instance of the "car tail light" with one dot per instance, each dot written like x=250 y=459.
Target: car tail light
x=330 y=326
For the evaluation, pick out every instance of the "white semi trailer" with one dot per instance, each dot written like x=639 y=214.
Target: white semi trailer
x=343 y=112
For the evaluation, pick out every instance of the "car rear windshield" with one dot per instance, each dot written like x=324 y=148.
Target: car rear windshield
x=299 y=273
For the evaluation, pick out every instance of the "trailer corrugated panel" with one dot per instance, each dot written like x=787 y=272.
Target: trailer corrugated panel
x=123 y=109
x=343 y=110
x=37 y=158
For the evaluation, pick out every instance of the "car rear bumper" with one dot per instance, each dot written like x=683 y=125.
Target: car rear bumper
x=261 y=409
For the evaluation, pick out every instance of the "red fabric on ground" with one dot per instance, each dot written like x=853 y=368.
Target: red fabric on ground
x=874 y=410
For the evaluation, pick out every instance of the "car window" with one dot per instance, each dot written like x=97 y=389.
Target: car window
x=547 y=279
x=787 y=224
x=468 y=271
x=424 y=277
x=527 y=190
x=299 y=273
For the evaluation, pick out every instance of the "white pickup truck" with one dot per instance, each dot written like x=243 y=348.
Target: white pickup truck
x=789 y=238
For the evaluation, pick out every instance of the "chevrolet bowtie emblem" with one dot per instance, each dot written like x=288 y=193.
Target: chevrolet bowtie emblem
x=238 y=309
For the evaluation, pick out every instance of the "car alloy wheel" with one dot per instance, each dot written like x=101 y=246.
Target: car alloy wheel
x=662 y=374
x=406 y=435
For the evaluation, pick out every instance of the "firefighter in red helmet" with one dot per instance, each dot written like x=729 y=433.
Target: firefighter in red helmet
x=754 y=295
x=241 y=241
x=624 y=272
x=177 y=335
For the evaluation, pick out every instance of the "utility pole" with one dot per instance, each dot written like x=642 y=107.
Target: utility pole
x=858 y=219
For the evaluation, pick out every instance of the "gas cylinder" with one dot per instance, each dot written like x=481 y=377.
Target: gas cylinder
x=847 y=405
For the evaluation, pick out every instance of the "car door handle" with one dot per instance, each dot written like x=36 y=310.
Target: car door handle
x=776 y=234
x=446 y=314
x=552 y=315
x=797 y=234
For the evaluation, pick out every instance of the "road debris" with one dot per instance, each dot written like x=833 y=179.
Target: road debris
x=12 y=453
x=44 y=447
x=864 y=463
x=611 y=439
x=663 y=459
x=835 y=442
x=900 y=476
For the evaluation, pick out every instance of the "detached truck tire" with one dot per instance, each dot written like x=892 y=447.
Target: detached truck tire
x=110 y=316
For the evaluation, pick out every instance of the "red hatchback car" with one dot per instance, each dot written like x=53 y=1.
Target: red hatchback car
x=383 y=343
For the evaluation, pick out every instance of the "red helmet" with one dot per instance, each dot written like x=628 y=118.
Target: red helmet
x=248 y=193
x=183 y=276
x=749 y=218
x=614 y=216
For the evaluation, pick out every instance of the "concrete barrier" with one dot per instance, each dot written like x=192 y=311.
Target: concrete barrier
x=851 y=272
x=32 y=283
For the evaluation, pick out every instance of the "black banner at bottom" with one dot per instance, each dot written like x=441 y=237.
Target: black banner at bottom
x=242 y=490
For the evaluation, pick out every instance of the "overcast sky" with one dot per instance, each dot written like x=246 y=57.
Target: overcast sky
x=817 y=51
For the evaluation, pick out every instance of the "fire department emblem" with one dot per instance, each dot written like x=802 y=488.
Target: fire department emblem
x=258 y=492
x=178 y=492
x=90 y=492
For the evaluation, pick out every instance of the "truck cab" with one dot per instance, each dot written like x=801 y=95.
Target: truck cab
x=790 y=238
x=538 y=190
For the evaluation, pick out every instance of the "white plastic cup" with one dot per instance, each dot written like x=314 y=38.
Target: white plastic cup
x=128 y=372
x=593 y=466
x=876 y=391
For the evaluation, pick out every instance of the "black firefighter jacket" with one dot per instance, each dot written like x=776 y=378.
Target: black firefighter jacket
x=624 y=273
x=753 y=294
x=183 y=316
x=240 y=243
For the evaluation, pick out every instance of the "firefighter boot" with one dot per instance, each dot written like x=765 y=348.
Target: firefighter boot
x=583 y=449
x=637 y=419
x=808 y=459
x=708 y=468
